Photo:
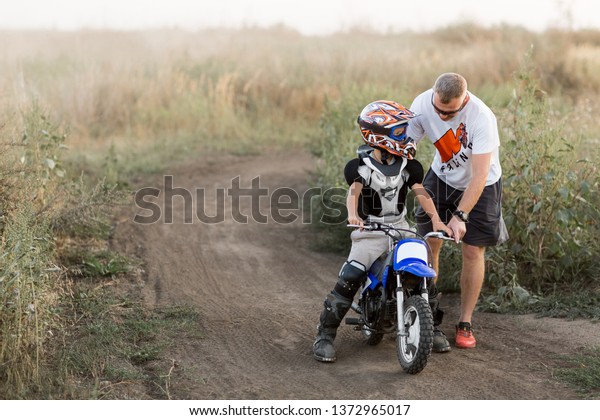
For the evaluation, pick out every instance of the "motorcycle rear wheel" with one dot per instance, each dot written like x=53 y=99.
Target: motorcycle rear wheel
x=414 y=348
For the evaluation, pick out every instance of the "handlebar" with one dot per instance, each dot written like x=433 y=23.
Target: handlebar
x=376 y=226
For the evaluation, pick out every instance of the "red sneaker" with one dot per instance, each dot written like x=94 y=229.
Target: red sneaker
x=464 y=336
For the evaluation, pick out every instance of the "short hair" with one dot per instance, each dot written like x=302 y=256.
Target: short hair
x=449 y=86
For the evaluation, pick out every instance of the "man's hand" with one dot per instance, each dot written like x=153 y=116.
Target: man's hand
x=459 y=228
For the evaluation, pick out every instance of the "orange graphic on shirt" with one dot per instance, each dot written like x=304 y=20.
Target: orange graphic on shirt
x=450 y=144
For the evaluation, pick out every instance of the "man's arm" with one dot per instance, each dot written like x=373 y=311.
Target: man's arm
x=480 y=170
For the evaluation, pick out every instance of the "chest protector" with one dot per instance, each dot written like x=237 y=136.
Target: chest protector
x=385 y=180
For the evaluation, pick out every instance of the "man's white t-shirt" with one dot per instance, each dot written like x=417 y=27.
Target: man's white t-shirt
x=473 y=130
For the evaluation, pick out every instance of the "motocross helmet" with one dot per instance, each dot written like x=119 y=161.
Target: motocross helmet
x=383 y=125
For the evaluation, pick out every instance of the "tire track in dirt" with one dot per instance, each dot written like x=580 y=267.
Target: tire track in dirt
x=259 y=291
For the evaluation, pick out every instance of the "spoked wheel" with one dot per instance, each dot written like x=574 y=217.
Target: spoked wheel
x=373 y=311
x=414 y=347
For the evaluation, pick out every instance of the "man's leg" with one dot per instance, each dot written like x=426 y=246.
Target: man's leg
x=471 y=281
x=436 y=246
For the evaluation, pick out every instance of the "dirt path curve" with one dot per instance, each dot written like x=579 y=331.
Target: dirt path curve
x=259 y=290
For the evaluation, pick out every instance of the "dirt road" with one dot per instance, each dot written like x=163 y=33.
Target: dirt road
x=259 y=290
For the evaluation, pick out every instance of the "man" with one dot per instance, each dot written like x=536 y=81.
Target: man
x=465 y=183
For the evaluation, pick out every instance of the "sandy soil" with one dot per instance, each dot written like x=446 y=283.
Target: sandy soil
x=259 y=290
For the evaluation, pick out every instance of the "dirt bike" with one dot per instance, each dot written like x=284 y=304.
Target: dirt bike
x=394 y=298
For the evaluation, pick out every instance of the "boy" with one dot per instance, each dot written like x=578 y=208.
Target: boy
x=379 y=180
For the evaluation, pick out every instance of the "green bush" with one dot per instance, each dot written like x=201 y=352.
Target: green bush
x=551 y=204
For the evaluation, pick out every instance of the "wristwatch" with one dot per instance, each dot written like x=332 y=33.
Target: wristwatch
x=461 y=215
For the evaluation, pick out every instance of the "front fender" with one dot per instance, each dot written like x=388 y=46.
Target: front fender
x=411 y=255
x=418 y=269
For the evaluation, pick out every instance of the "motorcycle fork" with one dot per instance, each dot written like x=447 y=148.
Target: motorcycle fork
x=400 y=302
x=424 y=290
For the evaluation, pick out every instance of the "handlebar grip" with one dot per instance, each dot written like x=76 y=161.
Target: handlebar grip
x=357 y=226
x=440 y=234
x=370 y=226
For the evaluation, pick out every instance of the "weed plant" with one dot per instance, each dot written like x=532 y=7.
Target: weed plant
x=29 y=170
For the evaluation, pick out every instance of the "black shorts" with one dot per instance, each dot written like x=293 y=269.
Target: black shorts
x=485 y=226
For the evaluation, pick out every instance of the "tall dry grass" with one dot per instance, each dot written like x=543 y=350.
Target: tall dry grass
x=29 y=287
x=132 y=88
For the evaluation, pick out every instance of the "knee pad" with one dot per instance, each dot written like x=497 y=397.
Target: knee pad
x=351 y=277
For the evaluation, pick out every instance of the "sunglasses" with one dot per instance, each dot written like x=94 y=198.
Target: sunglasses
x=448 y=113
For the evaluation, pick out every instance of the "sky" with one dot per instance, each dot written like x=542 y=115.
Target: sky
x=310 y=17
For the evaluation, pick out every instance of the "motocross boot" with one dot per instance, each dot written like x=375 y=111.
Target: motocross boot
x=440 y=342
x=334 y=309
x=336 y=305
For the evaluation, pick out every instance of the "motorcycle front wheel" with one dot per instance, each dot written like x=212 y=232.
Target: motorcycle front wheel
x=414 y=344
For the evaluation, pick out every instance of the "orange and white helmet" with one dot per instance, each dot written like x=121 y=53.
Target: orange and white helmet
x=383 y=125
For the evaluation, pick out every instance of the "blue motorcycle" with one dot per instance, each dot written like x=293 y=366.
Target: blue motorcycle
x=394 y=298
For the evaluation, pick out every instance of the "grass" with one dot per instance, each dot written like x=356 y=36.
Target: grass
x=114 y=341
x=86 y=262
x=582 y=372
x=29 y=278
x=570 y=304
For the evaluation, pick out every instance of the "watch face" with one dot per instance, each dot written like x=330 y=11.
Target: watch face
x=462 y=215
